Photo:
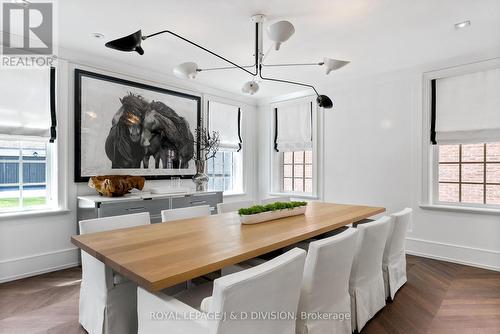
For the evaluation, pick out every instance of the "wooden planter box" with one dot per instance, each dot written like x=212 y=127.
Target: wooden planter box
x=272 y=215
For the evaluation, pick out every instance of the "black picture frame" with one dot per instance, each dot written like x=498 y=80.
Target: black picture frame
x=79 y=74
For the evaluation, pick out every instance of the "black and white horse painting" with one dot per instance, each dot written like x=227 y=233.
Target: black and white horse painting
x=141 y=130
x=125 y=127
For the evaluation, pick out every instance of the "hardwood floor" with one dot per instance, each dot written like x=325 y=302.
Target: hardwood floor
x=439 y=298
x=442 y=297
x=41 y=304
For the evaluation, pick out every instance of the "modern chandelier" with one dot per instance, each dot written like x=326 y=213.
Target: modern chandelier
x=278 y=32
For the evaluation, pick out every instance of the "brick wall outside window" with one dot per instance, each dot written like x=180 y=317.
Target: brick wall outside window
x=297 y=172
x=469 y=173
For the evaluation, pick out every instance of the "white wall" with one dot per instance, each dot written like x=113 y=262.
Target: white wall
x=373 y=155
x=37 y=244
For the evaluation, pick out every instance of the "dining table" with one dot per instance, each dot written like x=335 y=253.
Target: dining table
x=161 y=255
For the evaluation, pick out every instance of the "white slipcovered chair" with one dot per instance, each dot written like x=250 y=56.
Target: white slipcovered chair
x=394 y=260
x=108 y=301
x=301 y=244
x=366 y=284
x=273 y=286
x=185 y=213
x=233 y=206
x=325 y=284
x=275 y=199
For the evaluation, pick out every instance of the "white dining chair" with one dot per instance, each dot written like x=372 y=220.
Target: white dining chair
x=275 y=199
x=108 y=301
x=394 y=260
x=270 y=287
x=366 y=284
x=325 y=284
x=185 y=213
x=233 y=206
x=301 y=244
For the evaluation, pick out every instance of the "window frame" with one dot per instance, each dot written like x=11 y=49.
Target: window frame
x=58 y=153
x=429 y=186
x=50 y=177
x=276 y=159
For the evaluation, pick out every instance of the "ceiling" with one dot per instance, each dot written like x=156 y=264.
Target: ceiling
x=376 y=36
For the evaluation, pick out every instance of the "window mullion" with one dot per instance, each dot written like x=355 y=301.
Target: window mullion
x=21 y=178
x=484 y=174
x=283 y=173
x=224 y=169
x=460 y=173
x=304 y=171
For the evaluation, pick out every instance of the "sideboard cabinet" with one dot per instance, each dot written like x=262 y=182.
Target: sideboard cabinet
x=98 y=206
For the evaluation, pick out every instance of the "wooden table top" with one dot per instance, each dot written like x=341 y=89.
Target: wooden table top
x=161 y=255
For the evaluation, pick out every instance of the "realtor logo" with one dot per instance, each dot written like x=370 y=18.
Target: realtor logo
x=27 y=28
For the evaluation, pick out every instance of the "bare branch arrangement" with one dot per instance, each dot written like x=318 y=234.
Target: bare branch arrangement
x=208 y=143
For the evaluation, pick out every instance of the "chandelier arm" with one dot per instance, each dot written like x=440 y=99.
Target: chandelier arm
x=222 y=68
x=296 y=64
x=286 y=81
x=201 y=47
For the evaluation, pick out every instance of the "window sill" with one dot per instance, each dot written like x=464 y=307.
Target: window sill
x=32 y=213
x=295 y=195
x=456 y=208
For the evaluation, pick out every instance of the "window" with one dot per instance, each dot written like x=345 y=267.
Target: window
x=293 y=160
x=23 y=175
x=27 y=128
x=224 y=172
x=464 y=128
x=469 y=173
x=297 y=170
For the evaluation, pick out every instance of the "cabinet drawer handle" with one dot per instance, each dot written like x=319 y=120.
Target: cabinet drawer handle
x=198 y=202
x=139 y=208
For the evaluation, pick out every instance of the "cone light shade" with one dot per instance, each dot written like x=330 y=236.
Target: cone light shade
x=280 y=32
x=324 y=101
x=250 y=87
x=128 y=43
x=186 y=70
x=333 y=64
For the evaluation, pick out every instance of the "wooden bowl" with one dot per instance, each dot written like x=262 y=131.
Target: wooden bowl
x=116 y=185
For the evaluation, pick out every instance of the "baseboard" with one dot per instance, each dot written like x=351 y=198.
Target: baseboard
x=22 y=267
x=470 y=256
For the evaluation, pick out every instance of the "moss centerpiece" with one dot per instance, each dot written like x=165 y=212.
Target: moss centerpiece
x=262 y=213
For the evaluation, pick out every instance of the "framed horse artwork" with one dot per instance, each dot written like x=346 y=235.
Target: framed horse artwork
x=125 y=127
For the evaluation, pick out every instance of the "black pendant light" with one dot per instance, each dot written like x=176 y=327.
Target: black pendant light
x=128 y=43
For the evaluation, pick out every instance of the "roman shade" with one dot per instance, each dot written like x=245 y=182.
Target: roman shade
x=225 y=119
x=466 y=108
x=27 y=106
x=293 y=127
